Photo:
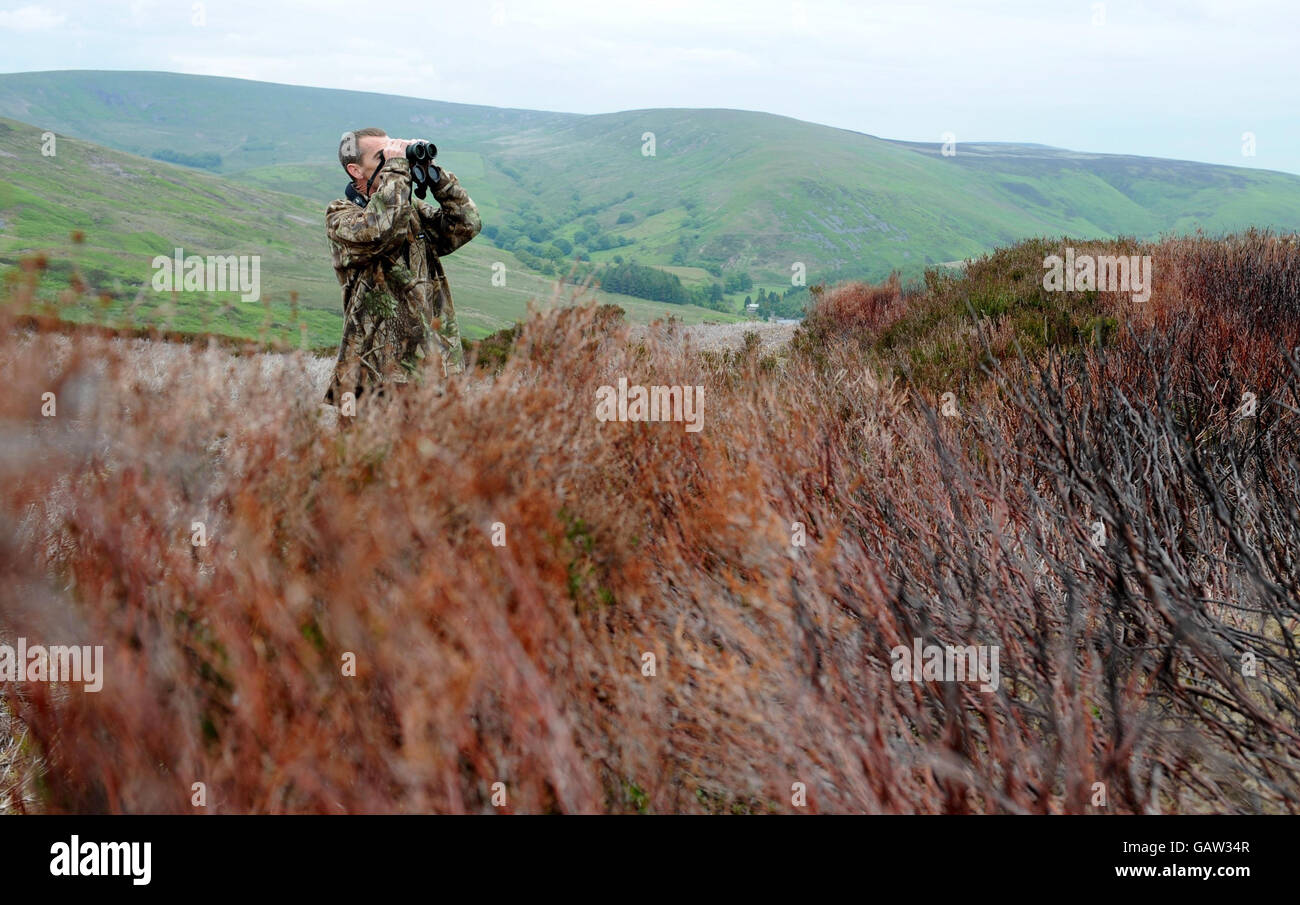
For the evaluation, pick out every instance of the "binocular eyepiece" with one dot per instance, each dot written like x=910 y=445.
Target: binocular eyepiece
x=424 y=175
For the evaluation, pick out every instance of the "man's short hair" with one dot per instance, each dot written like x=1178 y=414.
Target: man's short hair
x=350 y=144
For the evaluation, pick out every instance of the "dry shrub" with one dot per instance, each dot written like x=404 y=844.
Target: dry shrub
x=522 y=663
x=856 y=308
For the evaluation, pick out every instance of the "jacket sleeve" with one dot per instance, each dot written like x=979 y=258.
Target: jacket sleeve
x=361 y=234
x=455 y=222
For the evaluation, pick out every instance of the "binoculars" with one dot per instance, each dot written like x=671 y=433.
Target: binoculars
x=424 y=175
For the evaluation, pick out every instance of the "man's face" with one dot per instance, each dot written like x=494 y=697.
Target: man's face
x=369 y=146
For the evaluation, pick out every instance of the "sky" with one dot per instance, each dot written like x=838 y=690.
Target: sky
x=1209 y=80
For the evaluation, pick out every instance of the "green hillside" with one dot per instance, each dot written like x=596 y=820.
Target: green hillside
x=128 y=210
x=726 y=191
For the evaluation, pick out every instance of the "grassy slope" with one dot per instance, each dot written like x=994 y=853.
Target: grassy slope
x=768 y=191
x=131 y=209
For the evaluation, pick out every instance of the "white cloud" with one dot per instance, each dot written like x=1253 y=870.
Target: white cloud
x=1161 y=77
x=31 y=18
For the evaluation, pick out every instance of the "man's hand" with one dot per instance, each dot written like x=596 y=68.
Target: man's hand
x=395 y=147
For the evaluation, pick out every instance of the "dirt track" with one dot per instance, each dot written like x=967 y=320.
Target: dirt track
x=156 y=362
x=721 y=337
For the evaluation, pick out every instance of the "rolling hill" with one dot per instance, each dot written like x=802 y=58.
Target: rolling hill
x=126 y=210
x=738 y=198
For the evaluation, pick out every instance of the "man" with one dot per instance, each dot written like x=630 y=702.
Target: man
x=399 y=323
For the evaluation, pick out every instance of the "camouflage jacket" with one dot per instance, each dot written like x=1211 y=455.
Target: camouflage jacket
x=397 y=307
